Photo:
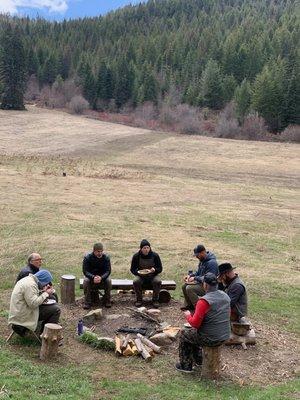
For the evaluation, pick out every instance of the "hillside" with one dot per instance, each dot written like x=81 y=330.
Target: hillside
x=200 y=52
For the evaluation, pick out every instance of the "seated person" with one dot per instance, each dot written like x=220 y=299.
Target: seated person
x=210 y=325
x=144 y=259
x=236 y=290
x=193 y=287
x=34 y=264
x=96 y=269
x=27 y=297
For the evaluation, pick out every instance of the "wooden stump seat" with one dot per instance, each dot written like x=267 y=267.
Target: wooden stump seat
x=211 y=363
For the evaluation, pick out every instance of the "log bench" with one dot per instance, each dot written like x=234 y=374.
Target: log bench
x=127 y=284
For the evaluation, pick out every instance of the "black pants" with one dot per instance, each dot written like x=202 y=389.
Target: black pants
x=190 y=347
x=49 y=314
x=91 y=289
x=153 y=283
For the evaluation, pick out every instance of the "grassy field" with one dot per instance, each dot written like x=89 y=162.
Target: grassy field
x=241 y=199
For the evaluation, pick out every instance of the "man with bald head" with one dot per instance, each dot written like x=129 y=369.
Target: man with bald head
x=33 y=266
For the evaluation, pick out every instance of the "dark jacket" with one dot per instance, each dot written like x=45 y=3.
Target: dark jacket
x=236 y=290
x=139 y=257
x=29 y=269
x=208 y=265
x=93 y=266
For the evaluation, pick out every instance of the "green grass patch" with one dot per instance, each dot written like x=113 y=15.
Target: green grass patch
x=23 y=379
x=185 y=388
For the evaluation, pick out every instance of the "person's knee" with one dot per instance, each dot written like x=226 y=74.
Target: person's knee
x=190 y=289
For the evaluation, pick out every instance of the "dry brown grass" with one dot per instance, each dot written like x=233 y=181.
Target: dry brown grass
x=241 y=199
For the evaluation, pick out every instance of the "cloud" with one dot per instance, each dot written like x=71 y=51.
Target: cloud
x=12 y=6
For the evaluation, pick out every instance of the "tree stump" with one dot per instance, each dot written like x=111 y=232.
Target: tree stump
x=67 y=289
x=51 y=337
x=211 y=362
x=164 y=296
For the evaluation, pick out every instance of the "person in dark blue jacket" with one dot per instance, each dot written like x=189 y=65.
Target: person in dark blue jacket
x=193 y=282
x=96 y=269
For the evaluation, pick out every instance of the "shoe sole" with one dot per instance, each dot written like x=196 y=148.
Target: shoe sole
x=185 y=371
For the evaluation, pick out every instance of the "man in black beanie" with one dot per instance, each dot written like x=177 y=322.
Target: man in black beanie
x=146 y=265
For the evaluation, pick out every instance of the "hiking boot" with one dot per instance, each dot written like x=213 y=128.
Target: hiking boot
x=87 y=306
x=180 y=368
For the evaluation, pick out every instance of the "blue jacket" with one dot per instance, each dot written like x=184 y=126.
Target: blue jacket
x=210 y=264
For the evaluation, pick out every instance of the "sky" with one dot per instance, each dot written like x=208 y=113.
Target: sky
x=60 y=9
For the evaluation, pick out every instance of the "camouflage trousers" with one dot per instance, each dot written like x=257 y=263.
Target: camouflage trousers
x=190 y=347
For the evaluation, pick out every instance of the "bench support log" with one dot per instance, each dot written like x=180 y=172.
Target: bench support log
x=51 y=337
x=211 y=362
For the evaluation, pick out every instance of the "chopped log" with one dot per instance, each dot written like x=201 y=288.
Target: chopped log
x=211 y=362
x=150 y=351
x=142 y=314
x=128 y=351
x=118 y=350
x=67 y=289
x=242 y=340
x=172 y=332
x=164 y=296
x=145 y=354
x=161 y=339
x=138 y=345
x=148 y=343
x=240 y=329
x=134 y=348
x=51 y=337
x=125 y=342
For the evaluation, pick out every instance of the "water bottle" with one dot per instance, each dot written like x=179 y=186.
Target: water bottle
x=80 y=327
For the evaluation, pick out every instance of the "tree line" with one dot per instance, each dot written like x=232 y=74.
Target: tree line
x=211 y=51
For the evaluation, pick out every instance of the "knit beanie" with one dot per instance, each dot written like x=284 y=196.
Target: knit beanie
x=144 y=242
x=44 y=277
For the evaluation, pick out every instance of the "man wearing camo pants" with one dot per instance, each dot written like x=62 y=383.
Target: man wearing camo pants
x=209 y=325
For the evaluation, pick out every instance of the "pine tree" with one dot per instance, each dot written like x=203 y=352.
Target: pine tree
x=12 y=69
x=124 y=82
x=89 y=86
x=269 y=94
x=242 y=98
x=211 y=86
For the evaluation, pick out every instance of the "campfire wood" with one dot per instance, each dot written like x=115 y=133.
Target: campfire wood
x=147 y=342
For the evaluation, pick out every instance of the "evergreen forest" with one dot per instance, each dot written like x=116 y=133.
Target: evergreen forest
x=208 y=52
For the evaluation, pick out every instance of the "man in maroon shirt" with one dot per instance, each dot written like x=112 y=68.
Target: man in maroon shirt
x=210 y=324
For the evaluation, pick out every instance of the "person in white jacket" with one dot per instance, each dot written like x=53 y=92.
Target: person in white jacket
x=26 y=303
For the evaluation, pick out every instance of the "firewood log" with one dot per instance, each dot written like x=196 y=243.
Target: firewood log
x=118 y=350
x=141 y=349
x=150 y=344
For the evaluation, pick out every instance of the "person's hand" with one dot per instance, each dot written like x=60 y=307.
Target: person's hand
x=190 y=279
x=187 y=314
x=97 y=279
x=152 y=269
x=49 y=289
